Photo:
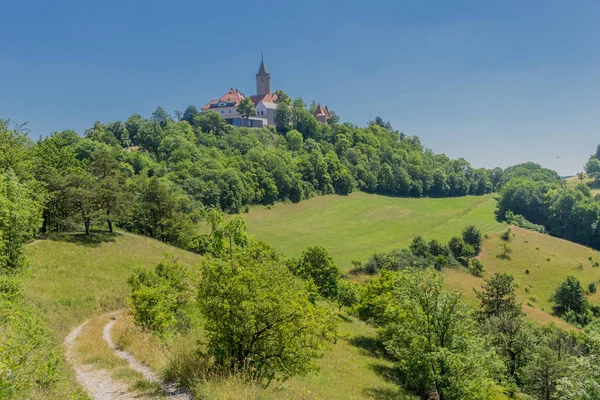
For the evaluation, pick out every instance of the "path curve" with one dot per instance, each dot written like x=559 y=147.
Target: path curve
x=98 y=383
x=170 y=389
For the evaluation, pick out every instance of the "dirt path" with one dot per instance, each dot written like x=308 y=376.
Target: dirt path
x=171 y=391
x=98 y=383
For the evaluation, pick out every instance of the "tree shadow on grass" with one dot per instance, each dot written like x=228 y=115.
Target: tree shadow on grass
x=94 y=239
x=369 y=345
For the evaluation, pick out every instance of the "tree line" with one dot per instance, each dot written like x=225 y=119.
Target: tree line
x=536 y=198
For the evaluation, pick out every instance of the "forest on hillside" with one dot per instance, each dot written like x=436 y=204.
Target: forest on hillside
x=153 y=175
x=268 y=318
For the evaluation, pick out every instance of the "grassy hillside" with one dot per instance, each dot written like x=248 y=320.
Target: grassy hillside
x=354 y=227
x=548 y=259
x=74 y=278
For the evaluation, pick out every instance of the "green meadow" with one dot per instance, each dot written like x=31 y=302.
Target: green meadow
x=354 y=227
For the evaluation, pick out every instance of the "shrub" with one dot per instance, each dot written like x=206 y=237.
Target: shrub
x=159 y=298
x=570 y=302
x=476 y=267
x=440 y=262
x=506 y=235
x=592 y=287
x=317 y=265
x=259 y=319
x=521 y=221
x=348 y=294
x=505 y=252
x=472 y=236
x=461 y=250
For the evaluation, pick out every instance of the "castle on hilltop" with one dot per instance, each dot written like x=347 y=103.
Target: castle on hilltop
x=265 y=102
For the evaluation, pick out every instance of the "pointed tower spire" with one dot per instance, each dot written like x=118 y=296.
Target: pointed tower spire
x=263 y=79
x=263 y=69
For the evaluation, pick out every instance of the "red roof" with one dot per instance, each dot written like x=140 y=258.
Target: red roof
x=319 y=110
x=231 y=95
x=269 y=98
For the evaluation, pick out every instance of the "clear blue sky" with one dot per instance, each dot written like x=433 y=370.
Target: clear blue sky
x=494 y=82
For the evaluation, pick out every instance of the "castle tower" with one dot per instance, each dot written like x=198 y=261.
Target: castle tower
x=263 y=79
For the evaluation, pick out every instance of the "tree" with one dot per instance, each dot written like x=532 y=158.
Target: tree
x=348 y=293
x=20 y=218
x=592 y=168
x=190 y=114
x=259 y=318
x=294 y=140
x=282 y=117
x=246 y=108
x=317 y=265
x=472 y=236
x=225 y=234
x=162 y=117
x=433 y=338
x=210 y=122
x=461 y=251
x=498 y=296
x=570 y=297
x=111 y=194
x=163 y=211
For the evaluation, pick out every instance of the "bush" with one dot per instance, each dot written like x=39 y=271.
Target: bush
x=592 y=287
x=505 y=252
x=159 y=298
x=461 y=250
x=440 y=262
x=317 y=265
x=522 y=222
x=348 y=294
x=506 y=235
x=395 y=260
x=259 y=319
x=476 y=267
x=472 y=236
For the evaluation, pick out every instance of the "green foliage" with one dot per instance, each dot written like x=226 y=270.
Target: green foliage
x=31 y=361
x=395 y=260
x=316 y=265
x=348 y=294
x=259 y=318
x=246 y=108
x=472 y=236
x=20 y=218
x=522 y=222
x=498 y=297
x=592 y=287
x=433 y=337
x=159 y=298
x=506 y=235
x=225 y=234
x=476 y=267
x=461 y=250
x=570 y=301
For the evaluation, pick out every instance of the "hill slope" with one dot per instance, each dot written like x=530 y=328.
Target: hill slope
x=74 y=278
x=539 y=263
x=356 y=226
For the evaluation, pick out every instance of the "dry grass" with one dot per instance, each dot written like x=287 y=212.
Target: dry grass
x=539 y=263
x=352 y=369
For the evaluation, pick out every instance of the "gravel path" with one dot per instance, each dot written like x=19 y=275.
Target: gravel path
x=171 y=391
x=99 y=384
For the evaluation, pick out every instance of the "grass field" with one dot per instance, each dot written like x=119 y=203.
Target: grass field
x=73 y=278
x=356 y=226
x=539 y=263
